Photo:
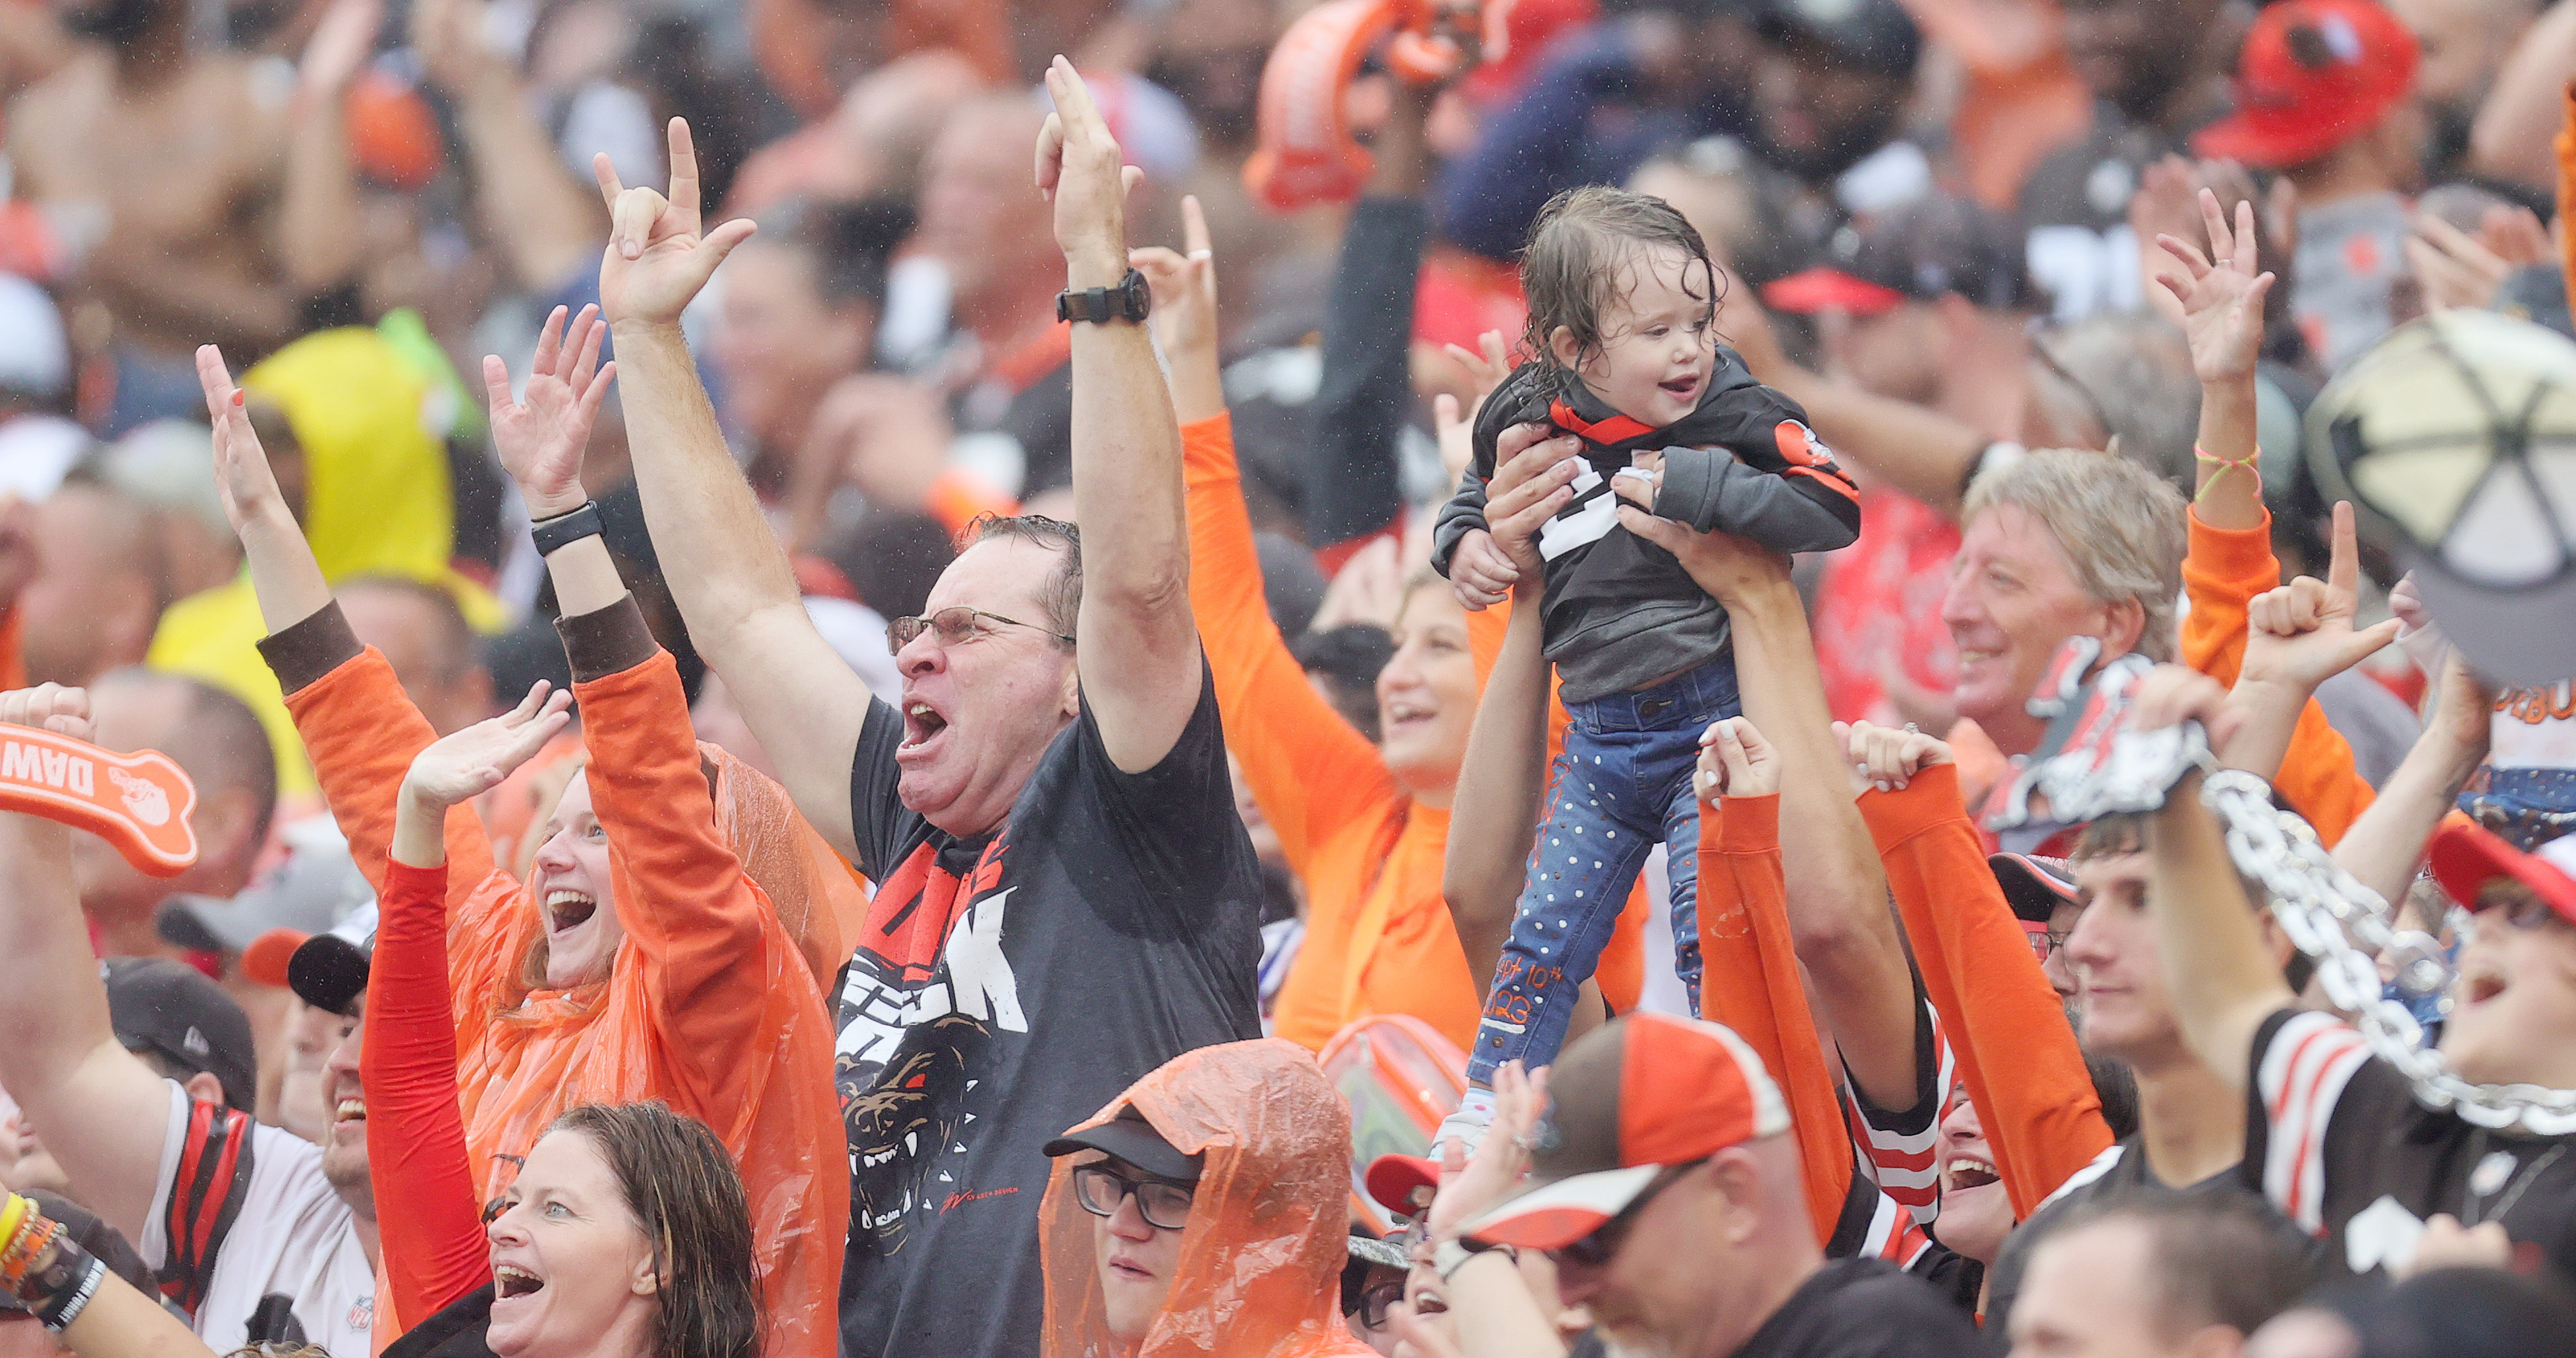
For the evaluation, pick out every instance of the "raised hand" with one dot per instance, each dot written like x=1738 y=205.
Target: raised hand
x=1471 y=1184
x=1184 y=286
x=2221 y=293
x=340 y=45
x=1735 y=761
x=468 y=763
x=1727 y=566
x=50 y=707
x=656 y=259
x=1080 y=171
x=243 y=479
x=2301 y=634
x=541 y=435
x=1486 y=369
x=1887 y=757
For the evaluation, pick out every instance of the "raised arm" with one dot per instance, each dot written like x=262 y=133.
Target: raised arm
x=1997 y=1009
x=710 y=947
x=351 y=713
x=1307 y=767
x=1847 y=935
x=725 y=568
x=1138 y=651
x=2222 y=305
x=318 y=236
x=97 y=1313
x=1504 y=775
x=102 y=1112
x=2384 y=847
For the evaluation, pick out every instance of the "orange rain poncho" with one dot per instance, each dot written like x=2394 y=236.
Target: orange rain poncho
x=1261 y=1259
x=714 y=1001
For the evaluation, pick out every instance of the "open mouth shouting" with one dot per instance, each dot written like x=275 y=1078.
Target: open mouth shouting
x=923 y=725
x=1968 y=1170
x=510 y=1281
x=1405 y=714
x=567 y=908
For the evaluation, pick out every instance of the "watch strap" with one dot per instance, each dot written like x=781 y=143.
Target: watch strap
x=1131 y=300
x=563 y=530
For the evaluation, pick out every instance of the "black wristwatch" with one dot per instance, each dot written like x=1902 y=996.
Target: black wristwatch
x=1131 y=300
x=563 y=530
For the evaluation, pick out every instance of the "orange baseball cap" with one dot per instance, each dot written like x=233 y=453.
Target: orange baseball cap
x=1632 y=1099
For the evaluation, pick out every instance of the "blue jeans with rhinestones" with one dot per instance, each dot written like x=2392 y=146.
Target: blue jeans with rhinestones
x=1622 y=784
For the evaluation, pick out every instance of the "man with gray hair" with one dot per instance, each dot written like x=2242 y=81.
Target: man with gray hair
x=2055 y=545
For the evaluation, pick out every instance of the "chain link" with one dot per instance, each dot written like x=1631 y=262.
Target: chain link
x=2324 y=910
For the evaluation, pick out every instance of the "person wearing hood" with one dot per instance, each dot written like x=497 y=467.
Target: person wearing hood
x=365 y=480
x=1203 y=1212
x=669 y=943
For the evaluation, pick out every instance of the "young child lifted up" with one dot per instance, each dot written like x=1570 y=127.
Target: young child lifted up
x=1630 y=381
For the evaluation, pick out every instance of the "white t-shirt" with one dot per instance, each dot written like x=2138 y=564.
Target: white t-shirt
x=248 y=1237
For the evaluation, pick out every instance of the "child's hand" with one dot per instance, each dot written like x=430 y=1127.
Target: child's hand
x=1735 y=761
x=1641 y=481
x=1887 y=758
x=1480 y=573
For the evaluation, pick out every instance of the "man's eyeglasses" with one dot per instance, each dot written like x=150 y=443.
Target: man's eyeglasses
x=2045 y=941
x=1596 y=1249
x=1377 y=1301
x=1164 y=1204
x=955 y=625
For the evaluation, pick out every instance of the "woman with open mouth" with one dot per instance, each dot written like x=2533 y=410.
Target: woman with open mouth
x=672 y=937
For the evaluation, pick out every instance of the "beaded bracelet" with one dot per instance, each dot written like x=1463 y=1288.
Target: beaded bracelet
x=13 y=1210
x=24 y=1248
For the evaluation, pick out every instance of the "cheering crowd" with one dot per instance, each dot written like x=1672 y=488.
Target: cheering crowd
x=1785 y=678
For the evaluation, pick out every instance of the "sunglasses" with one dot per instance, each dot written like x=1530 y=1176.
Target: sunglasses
x=1377 y=1301
x=1164 y=1204
x=956 y=625
x=1597 y=1249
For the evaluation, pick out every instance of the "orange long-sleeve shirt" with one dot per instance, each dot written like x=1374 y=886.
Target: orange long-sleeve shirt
x=1997 y=1008
x=1378 y=934
x=709 y=1005
x=2222 y=572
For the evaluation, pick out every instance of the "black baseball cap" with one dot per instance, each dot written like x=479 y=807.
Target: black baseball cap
x=329 y=969
x=1934 y=245
x=1877 y=35
x=2034 y=884
x=1131 y=1138
x=171 y=1010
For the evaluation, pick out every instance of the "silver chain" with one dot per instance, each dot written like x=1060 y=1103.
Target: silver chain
x=2324 y=910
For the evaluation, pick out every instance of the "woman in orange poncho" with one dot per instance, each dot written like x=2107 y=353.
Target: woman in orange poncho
x=1226 y=1176
x=672 y=941
x=1363 y=825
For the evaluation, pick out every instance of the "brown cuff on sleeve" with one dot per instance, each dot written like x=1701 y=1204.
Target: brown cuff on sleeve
x=307 y=650
x=609 y=641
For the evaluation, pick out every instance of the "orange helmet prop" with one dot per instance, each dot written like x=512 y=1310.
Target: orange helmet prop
x=1307 y=153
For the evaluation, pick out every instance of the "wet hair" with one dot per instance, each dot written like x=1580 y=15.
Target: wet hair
x=1062 y=594
x=689 y=1201
x=1577 y=263
x=2212 y=1258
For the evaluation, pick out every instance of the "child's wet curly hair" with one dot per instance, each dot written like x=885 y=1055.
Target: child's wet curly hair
x=1573 y=270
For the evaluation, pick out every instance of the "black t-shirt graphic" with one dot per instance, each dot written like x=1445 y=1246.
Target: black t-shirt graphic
x=1007 y=987
x=1864 y=1308
x=2335 y=1138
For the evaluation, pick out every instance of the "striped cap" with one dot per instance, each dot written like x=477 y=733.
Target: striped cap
x=1631 y=1099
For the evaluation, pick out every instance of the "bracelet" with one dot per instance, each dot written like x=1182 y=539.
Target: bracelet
x=2245 y=464
x=65 y=1301
x=24 y=1248
x=13 y=1210
x=563 y=530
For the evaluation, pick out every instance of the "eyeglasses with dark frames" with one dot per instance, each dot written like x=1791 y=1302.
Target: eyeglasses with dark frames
x=956 y=625
x=1164 y=1203
x=1377 y=1301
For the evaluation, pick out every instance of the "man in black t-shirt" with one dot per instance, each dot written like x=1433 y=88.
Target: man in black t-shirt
x=1065 y=897
x=2335 y=1135
x=1665 y=1184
